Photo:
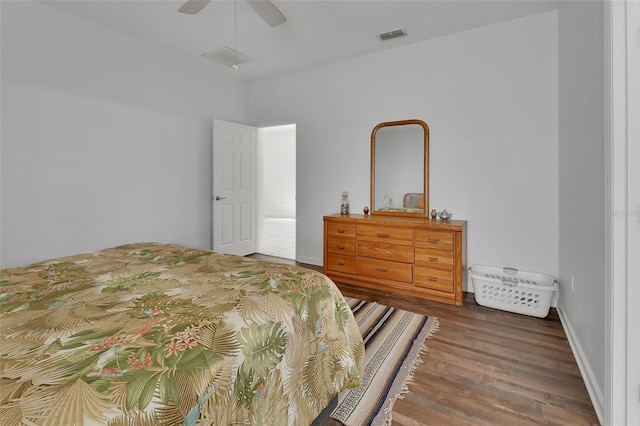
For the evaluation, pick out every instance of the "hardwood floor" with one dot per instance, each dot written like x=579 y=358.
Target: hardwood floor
x=487 y=367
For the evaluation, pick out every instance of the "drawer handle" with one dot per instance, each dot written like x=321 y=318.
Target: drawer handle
x=430 y=278
x=381 y=269
x=433 y=240
x=433 y=259
x=340 y=262
x=341 y=247
x=341 y=231
x=380 y=235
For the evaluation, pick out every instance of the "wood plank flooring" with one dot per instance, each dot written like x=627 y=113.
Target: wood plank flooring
x=487 y=367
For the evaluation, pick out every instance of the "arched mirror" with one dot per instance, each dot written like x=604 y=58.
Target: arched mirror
x=400 y=168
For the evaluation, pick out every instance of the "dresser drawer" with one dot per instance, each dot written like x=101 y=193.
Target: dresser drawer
x=338 y=229
x=339 y=263
x=394 y=271
x=438 y=240
x=385 y=234
x=341 y=246
x=434 y=259
x=393 y=252
x=434 y=279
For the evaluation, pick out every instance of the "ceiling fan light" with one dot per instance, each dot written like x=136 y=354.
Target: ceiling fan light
x=228 y=57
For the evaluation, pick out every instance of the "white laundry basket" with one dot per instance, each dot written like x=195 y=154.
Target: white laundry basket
x=509 y=289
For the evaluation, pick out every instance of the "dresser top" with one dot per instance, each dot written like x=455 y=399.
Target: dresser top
x=418 y=222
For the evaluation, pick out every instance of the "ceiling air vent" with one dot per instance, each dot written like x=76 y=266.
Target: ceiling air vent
x=228 y=57
x=392 y=34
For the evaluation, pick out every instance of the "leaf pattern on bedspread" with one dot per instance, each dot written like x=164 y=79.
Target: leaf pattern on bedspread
x=152 y=334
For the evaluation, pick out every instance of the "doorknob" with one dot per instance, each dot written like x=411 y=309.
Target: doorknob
x=218 y=198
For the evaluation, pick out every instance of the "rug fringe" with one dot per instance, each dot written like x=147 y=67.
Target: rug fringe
x=432 y=326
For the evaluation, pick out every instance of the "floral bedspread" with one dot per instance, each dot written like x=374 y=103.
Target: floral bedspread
x=152 y=334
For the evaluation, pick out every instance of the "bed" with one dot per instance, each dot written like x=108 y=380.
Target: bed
x=154 y=334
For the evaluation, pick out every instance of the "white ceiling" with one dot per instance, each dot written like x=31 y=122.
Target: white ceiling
x=316 y=32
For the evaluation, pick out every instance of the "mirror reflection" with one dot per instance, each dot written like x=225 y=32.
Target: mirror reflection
x=399 y=165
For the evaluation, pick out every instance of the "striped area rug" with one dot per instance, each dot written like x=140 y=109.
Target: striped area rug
x=394 y=340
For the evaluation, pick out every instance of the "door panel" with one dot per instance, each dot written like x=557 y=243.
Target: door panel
x=234 y=188
x=246 y=225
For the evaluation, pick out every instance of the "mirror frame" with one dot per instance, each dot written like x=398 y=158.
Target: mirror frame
x=425 y=171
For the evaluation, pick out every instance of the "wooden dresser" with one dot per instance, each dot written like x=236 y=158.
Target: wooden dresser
x=415 y=256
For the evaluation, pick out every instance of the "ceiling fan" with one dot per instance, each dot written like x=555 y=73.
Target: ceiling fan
x=267 y=10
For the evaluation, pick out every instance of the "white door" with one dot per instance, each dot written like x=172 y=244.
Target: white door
x=234 y=188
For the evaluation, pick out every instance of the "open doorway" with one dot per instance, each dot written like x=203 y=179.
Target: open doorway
x=277 y=191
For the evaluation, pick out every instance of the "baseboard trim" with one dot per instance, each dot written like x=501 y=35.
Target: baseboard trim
x=595 y=393
x=310 y=261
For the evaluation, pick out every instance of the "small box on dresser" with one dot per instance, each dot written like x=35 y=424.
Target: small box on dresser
x=419 y=256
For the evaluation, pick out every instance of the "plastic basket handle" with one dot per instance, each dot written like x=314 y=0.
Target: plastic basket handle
x=510 y=271
x=508 y=282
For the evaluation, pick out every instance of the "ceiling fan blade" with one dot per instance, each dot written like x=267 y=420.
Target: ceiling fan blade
x=191 y=7
x=268 y=12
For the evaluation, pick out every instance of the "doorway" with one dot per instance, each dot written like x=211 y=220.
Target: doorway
x=277 y=191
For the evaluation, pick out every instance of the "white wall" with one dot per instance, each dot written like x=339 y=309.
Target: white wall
x=581 y=184
x=105 y=139
x=490 y=98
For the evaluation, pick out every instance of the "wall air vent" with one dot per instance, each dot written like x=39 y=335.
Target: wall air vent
x=228 y=57
x=392 y=34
